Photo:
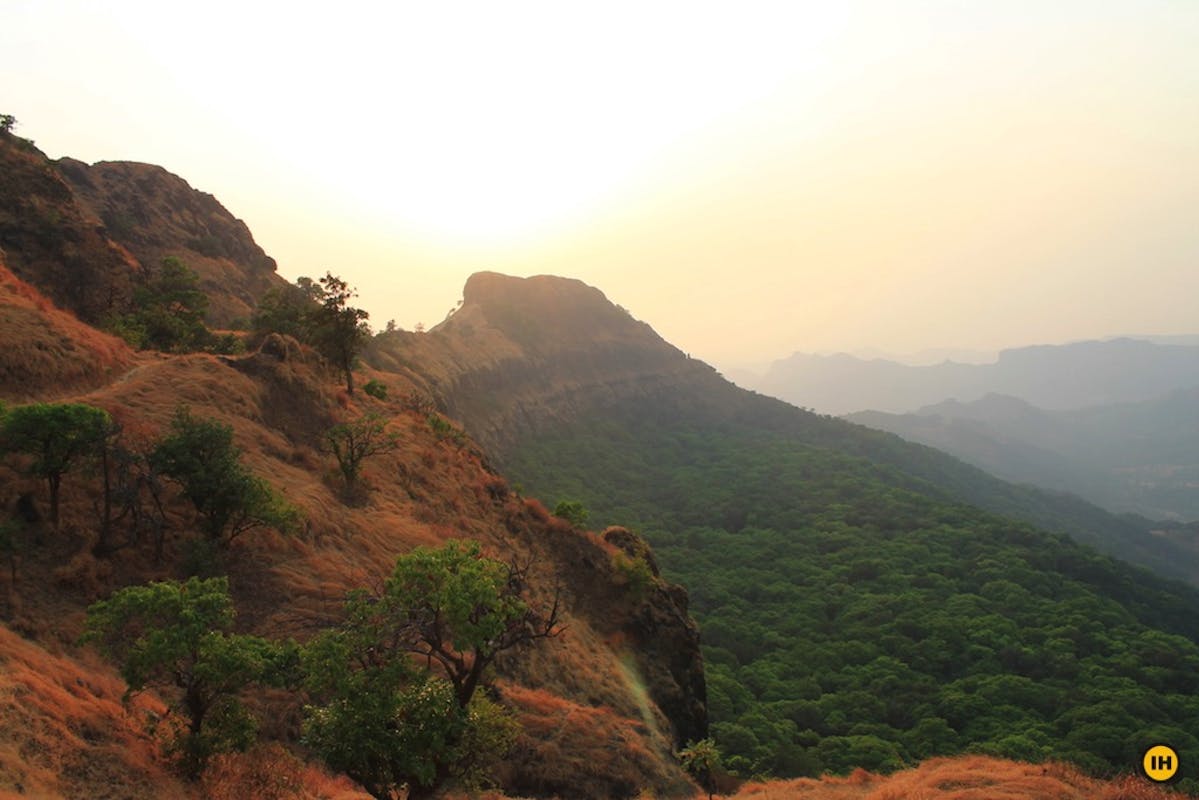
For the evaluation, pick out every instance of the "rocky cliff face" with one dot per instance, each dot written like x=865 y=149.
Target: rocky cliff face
x=50 y=239
x=156 y=214
x=85 y=235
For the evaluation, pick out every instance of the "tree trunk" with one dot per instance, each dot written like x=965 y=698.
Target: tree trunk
x=54 y=481
x=419 y=792
x=101 y=547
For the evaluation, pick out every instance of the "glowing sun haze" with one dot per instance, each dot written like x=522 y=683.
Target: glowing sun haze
x=749 y=178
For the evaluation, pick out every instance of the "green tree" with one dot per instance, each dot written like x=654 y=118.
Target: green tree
x=389 y=724
x=199 y=455
x=58 y=436
x=573 y=512
x=178 y=636
x=337 y=329
x=354 y=441
x=287 y=310
x=701 y=760
x=169 y=311
x=7 y=123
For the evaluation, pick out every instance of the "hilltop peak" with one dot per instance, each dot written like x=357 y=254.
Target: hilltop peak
x=547 y=313
x=485 y=286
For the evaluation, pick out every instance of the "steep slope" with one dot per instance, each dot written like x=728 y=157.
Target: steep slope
x=86 y=235
x=1050 y=376
x=51 y=240
x=627 y=664
x=1129 y=457
x=48 y=351
x=156 y=214
x=856 y=612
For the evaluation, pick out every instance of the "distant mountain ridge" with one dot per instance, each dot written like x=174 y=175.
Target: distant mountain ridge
x=1053 y=377
x=1127 y=457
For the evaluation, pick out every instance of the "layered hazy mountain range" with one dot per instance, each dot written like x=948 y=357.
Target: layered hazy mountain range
x=1113 y=421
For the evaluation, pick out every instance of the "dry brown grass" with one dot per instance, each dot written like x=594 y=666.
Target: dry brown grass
x=271 y=772
x=64 y=731
x=47 y=351
x=578 y=751
x=424 y=493
x=961 y=778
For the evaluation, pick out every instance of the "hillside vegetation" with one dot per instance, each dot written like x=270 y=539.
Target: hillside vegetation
x=850 y=621
x=963 y=778
x=856 y=611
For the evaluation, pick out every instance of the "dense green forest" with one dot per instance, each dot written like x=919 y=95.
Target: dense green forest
x=853 y=616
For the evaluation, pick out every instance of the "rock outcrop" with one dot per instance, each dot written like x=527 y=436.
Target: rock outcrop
x=521 y=353
x=155 y=214
x=52 y=241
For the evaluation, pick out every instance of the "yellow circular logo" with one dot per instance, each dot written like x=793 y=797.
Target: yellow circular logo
x=1160 y=763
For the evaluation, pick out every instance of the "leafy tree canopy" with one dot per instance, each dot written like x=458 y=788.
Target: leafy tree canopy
x=339 y=331
x=57 y=436
x=199 y=454
x=318 y=313
x=383 y=719
x=178 y=637
x=853 y=616
x=168 y=311
x=572 y=511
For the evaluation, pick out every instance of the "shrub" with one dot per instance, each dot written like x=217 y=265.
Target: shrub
x=573 y=512
x=702 y=761
x=227 y=344
x=418 y=404
x=375 y=389
x=636 y=573
x=445 y=430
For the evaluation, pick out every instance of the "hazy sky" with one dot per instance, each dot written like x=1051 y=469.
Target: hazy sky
x=749 y=178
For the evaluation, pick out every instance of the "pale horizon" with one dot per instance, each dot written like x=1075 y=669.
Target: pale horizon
x=750 y=180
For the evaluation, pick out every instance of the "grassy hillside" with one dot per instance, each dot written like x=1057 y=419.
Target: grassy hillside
x=964 y=778
x=855 y=617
